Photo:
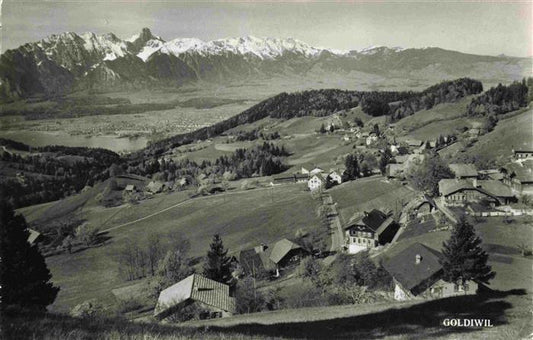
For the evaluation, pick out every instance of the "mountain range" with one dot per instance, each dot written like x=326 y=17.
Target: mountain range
x=68 y=62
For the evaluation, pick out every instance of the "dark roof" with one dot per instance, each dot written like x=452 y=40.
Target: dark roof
x=197 y=288
x=523 y=171
x=281 y=249
x=407 y=272
x=464 y=170
x=251 y=261
x=496 y=188
x=450 y=186
x=374 y=219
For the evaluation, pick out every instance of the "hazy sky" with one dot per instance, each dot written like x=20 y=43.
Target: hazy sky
x=488 y=28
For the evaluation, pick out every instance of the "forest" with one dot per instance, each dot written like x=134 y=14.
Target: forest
x=52 y=172
x=502 y=99
x=325 y=102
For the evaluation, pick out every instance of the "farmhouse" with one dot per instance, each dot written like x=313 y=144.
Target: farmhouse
x=400 y=159
x=370 y=230
x=154 y=187
x=210 y=297
x=499 y=190
x=523 y=153
x=464 y=171
x=394 y=170
x=417 y=272
x=316 y=182
x=256 y=261
x=457 y=192
x=519 y=176
x=335 y=177
x=306 y=168
x=285 y=252
x=288 y=178
x=130 y=188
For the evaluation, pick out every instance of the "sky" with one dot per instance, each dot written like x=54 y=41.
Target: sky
x=488 y=28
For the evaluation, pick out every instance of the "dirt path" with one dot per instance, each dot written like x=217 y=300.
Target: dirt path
x=175 y=206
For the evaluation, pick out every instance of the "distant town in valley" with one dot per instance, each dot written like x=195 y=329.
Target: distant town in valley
x=258 y=188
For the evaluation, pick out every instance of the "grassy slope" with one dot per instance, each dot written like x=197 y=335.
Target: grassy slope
x=441 y=119
x=243 y=219
x=513 y=132
x=367 y=194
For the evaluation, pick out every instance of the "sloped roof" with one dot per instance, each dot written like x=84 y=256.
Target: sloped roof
x=33 y=235
x=374 y=219
x=251 y=261
x=407 y=272
x=401 y=158
x=198 y=288
x=463 y=170
x=496 y=188
x=448 y=186
x=130 y=187
x=319 y=176
x=523 y=171
x=281 y=249
x=154 y=186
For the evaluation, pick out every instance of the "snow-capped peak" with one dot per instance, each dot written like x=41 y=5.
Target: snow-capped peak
x=263 y=48
x=371 y=50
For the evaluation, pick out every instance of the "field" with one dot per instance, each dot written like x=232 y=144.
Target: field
x=369 y=193
x=243 y=218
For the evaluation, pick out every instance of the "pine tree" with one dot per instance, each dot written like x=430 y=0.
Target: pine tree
x=464 y=259
x=24 y=276
x=217 y=266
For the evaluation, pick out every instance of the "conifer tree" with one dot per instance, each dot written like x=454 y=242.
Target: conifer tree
x=464 y=259
x=217 y=266
x=24 y=276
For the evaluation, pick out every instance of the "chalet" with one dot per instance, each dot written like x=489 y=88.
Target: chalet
x=154 y=187
x=499 y=190
x=130 y=188
x=306 y=168
x=315 y=170
x=285 y=252
x=523 y=153
x=316 y=182
x=417 y=273
x=288 y=178
x=455 y=192
x=519 y=176
x=335 y=177
x=256 y=261
x=414 y=143
x=371 y=138
x=211 y=298
x=370 y=230
x=464 y=171
x=395 y=170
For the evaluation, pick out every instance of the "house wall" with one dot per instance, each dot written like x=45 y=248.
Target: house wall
x=359 y=240
x=400 y=294
x=442 y=289
x=314 y=183
x=465 y=196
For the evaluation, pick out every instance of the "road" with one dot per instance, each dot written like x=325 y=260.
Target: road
x=337 y=238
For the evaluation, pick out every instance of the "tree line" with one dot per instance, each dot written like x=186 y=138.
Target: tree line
x=502 y=99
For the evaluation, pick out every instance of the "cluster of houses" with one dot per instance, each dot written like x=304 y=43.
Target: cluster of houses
x=212 y=299
x=489 y=187
x=315 y=177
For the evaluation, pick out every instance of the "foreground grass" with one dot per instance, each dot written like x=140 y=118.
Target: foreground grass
x=509 y=312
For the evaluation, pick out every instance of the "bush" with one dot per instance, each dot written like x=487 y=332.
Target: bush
x=89 y=309
x=247 y=298
x=129 y=304
x=87 y=234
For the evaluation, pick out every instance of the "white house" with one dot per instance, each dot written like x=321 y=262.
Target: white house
x=334 y=176
x=316 y=182
x=371 y=138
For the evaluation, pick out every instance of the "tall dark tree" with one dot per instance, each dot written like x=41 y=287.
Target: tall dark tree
x=217 y=265
x=24 y=276
x=464 y=259
x=386 y=156
x=352 y=167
